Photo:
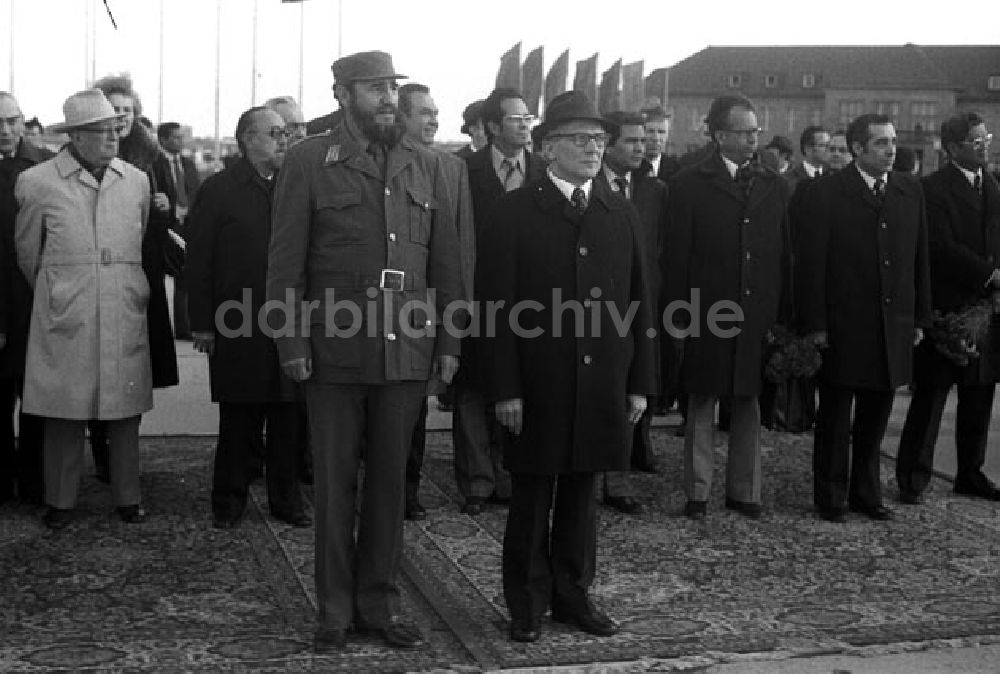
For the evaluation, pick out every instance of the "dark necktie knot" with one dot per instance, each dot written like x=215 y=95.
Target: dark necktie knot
x=622 y=184
x=579 y=200
x=744 y=177
x=878 y=187
x=977 y=183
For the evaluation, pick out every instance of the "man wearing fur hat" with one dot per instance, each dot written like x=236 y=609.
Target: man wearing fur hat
x=364 y=240
x=560 y=257
x=79 y=233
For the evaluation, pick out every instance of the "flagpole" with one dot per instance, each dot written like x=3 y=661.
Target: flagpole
x=218 y=60
x=253 y=85
x=340 y=28
x=159 y=107
x=11 y=45
x=302 y=50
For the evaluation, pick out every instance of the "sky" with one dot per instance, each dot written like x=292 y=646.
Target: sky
x=453 y=47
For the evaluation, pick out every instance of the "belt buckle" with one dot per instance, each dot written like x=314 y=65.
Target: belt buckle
x=391 y=279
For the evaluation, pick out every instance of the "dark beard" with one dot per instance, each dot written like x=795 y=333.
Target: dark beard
x=377 y=133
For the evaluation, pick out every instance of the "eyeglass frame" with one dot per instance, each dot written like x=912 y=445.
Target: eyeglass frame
x=118 y=130
x=978 y=143
x=756 y=132
x=600 y=139
x=528 y=119
x=276 y=132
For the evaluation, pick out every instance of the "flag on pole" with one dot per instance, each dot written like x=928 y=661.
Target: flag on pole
x=555 y=81
x=585 y=77
x=656 y=85
x=633 y=86
x=509 y=74
x=610 y=95
x=531 y=78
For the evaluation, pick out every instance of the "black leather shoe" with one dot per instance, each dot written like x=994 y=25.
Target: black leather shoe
x=296 y=519
x=329 y=640
x=131 y=514
x=751 y=510
x=591 y=620
x=986 y=491
x=57 y=518
x=414 y=510
x=835 y=515
x=646 y=467
x=473 y=505
x=395 y=633
x=876 y=512
x=525 y=630
x=911 y=498
x=696 y=510
x=623 y=504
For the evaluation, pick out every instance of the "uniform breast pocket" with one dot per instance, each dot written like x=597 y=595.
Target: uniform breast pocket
x=338 y=216
x=421 y=207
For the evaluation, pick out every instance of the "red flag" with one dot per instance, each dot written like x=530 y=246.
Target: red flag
x=509 y=74
x=585 y=78
x=555 y=81
x=610 y=96
x=633 y=86
x=531 y=79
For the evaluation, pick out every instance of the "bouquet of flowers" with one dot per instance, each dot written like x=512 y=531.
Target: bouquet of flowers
x=957 y=335
x=790 y=356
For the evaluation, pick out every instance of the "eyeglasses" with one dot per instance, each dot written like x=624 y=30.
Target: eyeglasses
x=746 y=133
x=582 y=139
x=117 y=130
x=10 y=121
x=279 y=132
x=839 y=148
x=980 y=143
x=527 y=119
x=295 y=127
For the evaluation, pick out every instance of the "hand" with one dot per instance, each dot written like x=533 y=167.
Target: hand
x=636 y=408
x=445 y=368
x=510 y=413
x=204 y=342
x=918 y=336
x=821 y=339
x=161 y=202
x=298 y=369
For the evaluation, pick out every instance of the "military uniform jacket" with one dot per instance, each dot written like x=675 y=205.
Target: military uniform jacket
x=339 y=221
x=863 y=277
x=726 y=246
x=574 y=384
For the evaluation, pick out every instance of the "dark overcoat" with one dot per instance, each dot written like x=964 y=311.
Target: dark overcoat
x=964 y=239
x=227 y=263
x=574 y=383
x=863 y=277
x=725 y=246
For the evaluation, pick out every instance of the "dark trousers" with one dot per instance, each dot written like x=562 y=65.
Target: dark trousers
x=915 y=463
x=846 y=454
x=241 y=429
x=182 y=327
x=98 y=431
x=478 y=439
x=415 y=457
x=545 y=567
x=22 y=460
x=356 y=575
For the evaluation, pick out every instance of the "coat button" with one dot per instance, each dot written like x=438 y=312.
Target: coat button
x=587 y=360
x=748 y=254
x=882 y=225
x=885 y=262
x=587 y=302
x=583 y=251
x=392 y=236
x=428 y=323
x=747 y=292
x=888 y=300
x=746 y=221
x=387 y=191
x=391 y=336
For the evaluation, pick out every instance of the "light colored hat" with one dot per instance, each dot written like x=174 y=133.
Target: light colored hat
x=85 y=107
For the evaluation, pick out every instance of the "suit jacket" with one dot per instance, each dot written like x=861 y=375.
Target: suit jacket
x=464 y=152
x=486 y=186
x=163 y=176
x=574 y=384
x=863 y=277
x=226 y=257
x=725 y=246
x=669 y=166
x=964 y=241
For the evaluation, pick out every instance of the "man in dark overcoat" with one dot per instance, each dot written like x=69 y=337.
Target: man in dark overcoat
x=726 y=255
x=364 y=256
x=564 y=257
x=20 y=461
x=963 y=220
x=230 y=225
x=863 y=293
x=503 y=165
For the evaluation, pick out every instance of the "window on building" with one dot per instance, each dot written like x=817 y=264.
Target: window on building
x=808 y=81
x=765 y=117
x=849 y=110
x=888 y=108
x=792 y=113
x=735 y=81
x=993 y=83
x=816 y=117
x=770 y=81
x=923 y=116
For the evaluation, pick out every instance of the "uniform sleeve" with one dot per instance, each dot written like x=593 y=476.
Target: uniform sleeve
x=444 y=264
x=200 y=259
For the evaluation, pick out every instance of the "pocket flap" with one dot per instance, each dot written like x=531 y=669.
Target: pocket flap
x=421 y=199
x=339 y=200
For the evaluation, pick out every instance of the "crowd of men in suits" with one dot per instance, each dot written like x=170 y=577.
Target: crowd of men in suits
x=368 y=238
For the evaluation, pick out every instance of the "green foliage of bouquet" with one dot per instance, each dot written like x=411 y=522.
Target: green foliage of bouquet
x=790 y=356
x=957 y=335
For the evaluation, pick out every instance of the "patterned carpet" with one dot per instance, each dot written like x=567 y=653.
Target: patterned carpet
x=174 y=594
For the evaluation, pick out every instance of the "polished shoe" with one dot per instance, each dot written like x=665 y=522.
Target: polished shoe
x=623 y=504
x=57 y=518
x=835 y=515
x=590 y=620
x=225 y=522
x=646 y=467
x=296 y=519
x=131 y=514
x=394 y=633
x=329 y=640
x=751 y=510
x=525 y=630
x=696 y=510
x=986 y=491
x=911 y=498
x=876 y=512
x=473 y=505
x=414 y=511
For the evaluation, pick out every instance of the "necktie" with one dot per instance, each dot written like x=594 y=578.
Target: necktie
x=622 y=186
x=579 y=200
x=877 y=188
x=744 y=177
x=179 y=186
x=509 y=168
x=978 y=183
